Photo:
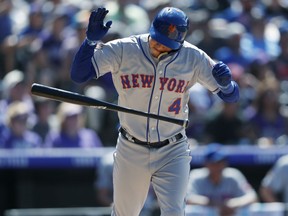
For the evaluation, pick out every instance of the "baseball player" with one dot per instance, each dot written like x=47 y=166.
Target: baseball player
x=151 y=72
x=218 y=185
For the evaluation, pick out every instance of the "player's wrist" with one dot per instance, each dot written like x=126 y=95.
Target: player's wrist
x=228 y=89
x=91 y=42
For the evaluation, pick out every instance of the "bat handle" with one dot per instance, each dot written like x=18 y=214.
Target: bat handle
x=185 y=123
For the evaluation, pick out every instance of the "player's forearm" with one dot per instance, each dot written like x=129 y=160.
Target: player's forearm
x=82 y=68
x=242 y=201
x=198 y=200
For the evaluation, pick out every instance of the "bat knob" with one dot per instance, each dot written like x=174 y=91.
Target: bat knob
x=186 y=123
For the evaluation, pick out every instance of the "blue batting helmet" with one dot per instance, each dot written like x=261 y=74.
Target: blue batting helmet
x=170 y=27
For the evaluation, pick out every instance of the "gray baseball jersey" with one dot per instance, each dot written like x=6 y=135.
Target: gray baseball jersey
x=161 y=88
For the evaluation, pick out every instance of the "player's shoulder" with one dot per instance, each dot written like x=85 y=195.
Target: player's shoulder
x=189 y=48
x=232 y=172
x=187 y=44
x=199 y=173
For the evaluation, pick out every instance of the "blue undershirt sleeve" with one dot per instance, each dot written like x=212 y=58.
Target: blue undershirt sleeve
x=82 y=68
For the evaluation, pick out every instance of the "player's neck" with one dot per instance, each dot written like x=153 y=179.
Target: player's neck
x=156 y=49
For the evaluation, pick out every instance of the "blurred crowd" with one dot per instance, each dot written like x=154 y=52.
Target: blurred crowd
x=38 y=39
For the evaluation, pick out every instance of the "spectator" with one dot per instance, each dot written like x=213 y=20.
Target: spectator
x=17 y=134
x=29 y=43
x=247 y=83
x=50 y=57
x=206 y=31
x=281 y=62
x=218 y=185
x=226 y=126
x=44 y=109
x=241 y=11
x=275 y=8
x=233 y=51
x=72 y=131
x=261 y=69
x=6 y=23
x=200 y=101
x=267 y=123
x=70 y=45
x=104 y=119
x=256 y=43
x=126 y=22
x=5 y=19
x=274 y=186
x=14 y=88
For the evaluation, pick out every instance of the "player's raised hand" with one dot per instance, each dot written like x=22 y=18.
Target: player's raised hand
x=223 y=77
x=96 y=28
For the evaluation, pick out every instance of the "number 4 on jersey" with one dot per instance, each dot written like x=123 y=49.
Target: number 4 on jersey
x=175 y=106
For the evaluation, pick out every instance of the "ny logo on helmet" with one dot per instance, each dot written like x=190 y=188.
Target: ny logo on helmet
x=171 y=28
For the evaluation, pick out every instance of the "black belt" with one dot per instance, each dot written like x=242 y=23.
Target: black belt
x=130 y=138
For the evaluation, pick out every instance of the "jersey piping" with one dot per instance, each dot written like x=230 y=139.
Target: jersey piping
x=152 y=91
x=161 y=95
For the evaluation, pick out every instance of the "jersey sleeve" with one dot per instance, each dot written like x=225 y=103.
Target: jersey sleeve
x=107 y=58
x=242 y=186
x=205 y=76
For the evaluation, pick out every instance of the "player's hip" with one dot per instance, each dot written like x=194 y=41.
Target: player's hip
x=144 y=155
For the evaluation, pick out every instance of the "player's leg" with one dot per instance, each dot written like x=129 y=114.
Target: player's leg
x=170 y=181
x=131 y=178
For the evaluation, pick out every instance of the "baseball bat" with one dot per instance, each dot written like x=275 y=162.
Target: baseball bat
x=75 y=98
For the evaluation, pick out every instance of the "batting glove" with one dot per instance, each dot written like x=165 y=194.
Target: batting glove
x=223 y=77
x=96 y=29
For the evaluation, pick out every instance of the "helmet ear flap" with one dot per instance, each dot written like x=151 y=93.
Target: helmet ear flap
x=170 y=27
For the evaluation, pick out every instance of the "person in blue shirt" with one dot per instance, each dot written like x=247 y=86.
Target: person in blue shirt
x=71 y=131
x=16 y=133
x=219 y=186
